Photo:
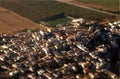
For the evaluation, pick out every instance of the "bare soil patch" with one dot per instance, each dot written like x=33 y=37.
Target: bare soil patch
x=11 y=22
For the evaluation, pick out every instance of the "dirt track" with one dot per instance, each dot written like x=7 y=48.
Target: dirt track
x=11 y=22
x=86 y=6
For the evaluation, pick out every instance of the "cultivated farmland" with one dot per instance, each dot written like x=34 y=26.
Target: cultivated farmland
x=11 y=22
x=37 y=10
x=112 y=4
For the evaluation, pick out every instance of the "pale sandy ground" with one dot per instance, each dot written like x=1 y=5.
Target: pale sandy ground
x=11 y=22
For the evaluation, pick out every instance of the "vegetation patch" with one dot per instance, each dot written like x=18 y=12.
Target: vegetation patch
x=57 y=19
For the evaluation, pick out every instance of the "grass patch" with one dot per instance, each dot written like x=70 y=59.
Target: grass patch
x=58 y=21
x=37 y=10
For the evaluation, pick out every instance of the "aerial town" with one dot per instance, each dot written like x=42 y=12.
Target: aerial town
x=80 y=49
x=59 y=39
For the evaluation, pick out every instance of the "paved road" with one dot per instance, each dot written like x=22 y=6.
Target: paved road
x=68 y=2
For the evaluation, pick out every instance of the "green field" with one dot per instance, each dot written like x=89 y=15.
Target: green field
x=59 y=21
x=113 y=4
x=37 y=10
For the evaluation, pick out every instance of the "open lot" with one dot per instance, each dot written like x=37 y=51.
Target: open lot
x=38 y=9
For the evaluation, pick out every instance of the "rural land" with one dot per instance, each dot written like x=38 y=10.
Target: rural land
x=59 y=39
